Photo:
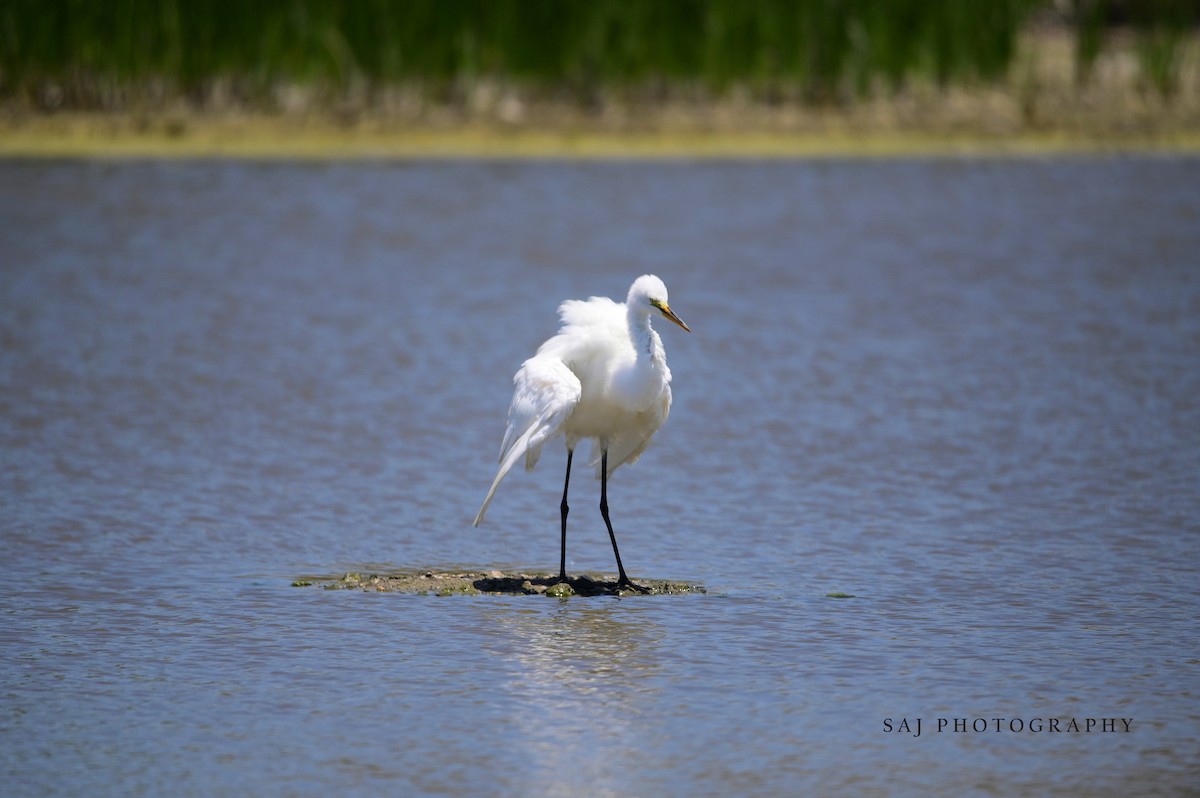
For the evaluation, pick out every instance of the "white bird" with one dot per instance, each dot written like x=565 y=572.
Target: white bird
x=604 y=376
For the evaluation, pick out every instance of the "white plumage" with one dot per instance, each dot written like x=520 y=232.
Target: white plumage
x=604 y=376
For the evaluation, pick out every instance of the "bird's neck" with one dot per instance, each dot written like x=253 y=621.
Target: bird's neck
x=641 y=334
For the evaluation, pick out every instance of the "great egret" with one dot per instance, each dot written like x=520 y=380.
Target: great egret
x=604 y=376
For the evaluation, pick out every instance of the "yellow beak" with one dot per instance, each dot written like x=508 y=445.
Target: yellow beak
x=670 y=314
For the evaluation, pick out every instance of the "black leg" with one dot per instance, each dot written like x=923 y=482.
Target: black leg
x=622 y=579
x=564 y=508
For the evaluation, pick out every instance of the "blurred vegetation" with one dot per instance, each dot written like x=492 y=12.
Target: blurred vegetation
x=1161 y=28
x=822 y=49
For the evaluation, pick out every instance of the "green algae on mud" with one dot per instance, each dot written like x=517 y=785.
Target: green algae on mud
x=455 y=583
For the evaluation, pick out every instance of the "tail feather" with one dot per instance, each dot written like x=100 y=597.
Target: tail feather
x=545 y=393
x=520 y=448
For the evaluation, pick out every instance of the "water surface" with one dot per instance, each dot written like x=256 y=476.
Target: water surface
x=965 y=392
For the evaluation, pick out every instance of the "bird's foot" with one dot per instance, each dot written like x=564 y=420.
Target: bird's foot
x=625 y=583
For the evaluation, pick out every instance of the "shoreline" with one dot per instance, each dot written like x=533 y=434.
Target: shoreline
x=277 y=137
x=1041 y=108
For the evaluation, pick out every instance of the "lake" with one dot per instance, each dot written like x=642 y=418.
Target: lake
x=963 y=392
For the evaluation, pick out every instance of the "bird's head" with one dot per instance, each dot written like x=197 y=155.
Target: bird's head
x=649 y=292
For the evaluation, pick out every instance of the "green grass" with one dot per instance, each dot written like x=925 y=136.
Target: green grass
x=823 y=50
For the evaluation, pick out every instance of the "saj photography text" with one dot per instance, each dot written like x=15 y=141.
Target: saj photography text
x=915 y=726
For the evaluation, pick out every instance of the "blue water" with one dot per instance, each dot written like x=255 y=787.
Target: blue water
x=966 y=392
